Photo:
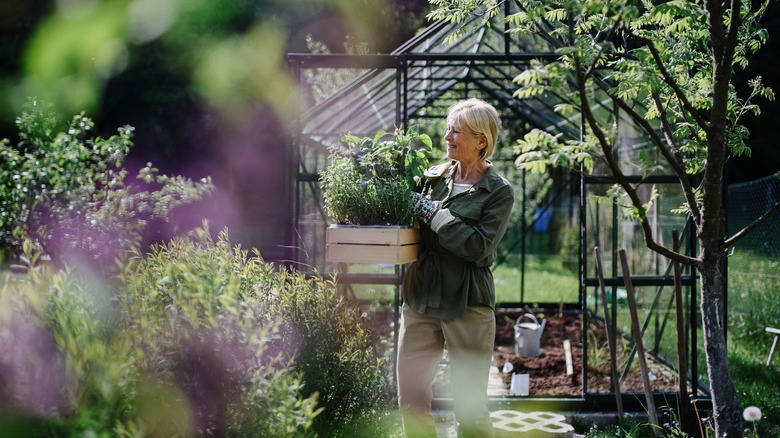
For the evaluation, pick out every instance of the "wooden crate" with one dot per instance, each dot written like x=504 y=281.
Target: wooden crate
x=372 y=245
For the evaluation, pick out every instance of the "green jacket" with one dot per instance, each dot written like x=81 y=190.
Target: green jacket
x=453 y=268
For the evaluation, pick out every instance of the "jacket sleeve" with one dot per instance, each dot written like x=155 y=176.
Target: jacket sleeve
x=478 y=226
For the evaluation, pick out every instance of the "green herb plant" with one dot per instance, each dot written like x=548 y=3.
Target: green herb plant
x=367 y=181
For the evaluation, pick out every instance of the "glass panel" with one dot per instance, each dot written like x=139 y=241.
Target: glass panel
x=611 y=231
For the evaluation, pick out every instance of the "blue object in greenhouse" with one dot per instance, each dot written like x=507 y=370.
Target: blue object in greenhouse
x=543 y=216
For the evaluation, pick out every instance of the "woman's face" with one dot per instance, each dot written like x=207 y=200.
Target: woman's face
x=462 y=144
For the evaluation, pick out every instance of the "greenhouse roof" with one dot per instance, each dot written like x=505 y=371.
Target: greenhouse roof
x=392 y=89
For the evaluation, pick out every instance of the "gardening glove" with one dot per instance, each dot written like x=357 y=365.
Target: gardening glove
x=423 y=208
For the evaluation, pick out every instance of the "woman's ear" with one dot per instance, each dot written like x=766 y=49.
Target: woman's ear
x=483 y=142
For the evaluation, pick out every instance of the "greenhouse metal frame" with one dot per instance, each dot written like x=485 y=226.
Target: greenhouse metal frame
x=412 y=84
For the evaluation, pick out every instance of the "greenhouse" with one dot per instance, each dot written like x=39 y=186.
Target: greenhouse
x=414 y=85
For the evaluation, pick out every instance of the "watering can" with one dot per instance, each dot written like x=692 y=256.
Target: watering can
x=528 y=336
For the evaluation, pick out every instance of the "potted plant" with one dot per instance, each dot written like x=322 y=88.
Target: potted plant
x=366 y=187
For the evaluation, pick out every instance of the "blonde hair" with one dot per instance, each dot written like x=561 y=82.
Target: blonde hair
x=478 y=116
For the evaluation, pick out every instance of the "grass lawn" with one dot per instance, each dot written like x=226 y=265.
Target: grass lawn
x=546 y=281
x=754 y=303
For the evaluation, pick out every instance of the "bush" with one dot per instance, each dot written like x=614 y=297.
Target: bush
x=304 y=325
x=184 y=345
x=207 y=328
x=194 y=337
x=67 y=192
x=336 y=358
x=66 y=369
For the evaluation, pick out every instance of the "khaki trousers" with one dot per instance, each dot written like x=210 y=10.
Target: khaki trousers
x=469 y=342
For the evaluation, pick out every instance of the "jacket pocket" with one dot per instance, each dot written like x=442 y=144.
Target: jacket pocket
x=469 y=210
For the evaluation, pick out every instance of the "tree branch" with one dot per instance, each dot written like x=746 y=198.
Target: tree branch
x=645 y=125
x=669 y=80
x=620 y=177
x=714 y=17
x=733 y=31
x=673 y=157
x=744 y=232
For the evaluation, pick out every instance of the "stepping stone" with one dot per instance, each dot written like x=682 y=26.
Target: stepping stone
x=530 y=425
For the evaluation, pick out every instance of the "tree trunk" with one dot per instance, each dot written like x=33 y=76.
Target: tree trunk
x=726 y=406
x=711 y=233
x=712 y=228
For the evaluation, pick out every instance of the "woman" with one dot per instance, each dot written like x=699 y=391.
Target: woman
x=449 y=296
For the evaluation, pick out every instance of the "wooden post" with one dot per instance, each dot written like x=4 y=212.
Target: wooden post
x=569 y=362
x=610 y=337
x=640 y=348
x=682 y=350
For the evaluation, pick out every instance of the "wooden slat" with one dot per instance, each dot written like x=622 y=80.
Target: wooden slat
x=372 y=245
x=372 y=254
x=372 y=235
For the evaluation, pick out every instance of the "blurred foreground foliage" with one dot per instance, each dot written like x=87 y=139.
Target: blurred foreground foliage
x=68 y=194
x=190 y=337
x=194 y=338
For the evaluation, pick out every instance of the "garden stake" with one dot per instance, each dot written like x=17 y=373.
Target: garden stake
x=610 y=337
x=682 y=351
x=640 y=348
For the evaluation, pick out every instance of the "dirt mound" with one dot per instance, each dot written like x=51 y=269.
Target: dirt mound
x=548 y=371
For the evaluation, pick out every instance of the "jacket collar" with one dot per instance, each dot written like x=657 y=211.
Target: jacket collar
x=488 y=182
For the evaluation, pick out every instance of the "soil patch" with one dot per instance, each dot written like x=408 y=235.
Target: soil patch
x=548 y=371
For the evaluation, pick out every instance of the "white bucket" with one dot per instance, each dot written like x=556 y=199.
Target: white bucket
x=520 y=384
